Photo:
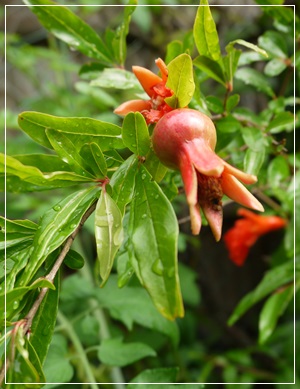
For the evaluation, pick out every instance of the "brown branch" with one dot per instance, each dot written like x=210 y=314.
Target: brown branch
x=27 y=321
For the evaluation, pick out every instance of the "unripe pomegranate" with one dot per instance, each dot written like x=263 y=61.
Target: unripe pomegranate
x=185 y=139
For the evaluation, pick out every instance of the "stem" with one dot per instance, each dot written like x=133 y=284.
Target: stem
x=80 y=350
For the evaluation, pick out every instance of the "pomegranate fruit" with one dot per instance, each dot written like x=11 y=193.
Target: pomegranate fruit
x=185 y=139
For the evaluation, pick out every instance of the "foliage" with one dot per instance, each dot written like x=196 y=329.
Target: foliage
x=94 y=166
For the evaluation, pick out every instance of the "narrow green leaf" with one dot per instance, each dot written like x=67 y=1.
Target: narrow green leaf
x=67 y=152
x=153 y=234
x=273 y=279
x=283 y=121
x=108 y=233
x=123 y=181
x=55 y=226
x=254 y=160
x=44 y=322
x=116 y=79
x=232 y=102
x=231 y=61
x=211 y=68
x=74 y=260
x=68 y=27
x=135 y=133
x=180 y=81
x=249 y=45
x=44 y=162
x=278 y=171
x=155 y=167
x=119 y=40
x=94 y=158
x=272 y=310
x=256 y=79
x=78 y=130
x=115 y=352
x=205 y=33
x=158 y=375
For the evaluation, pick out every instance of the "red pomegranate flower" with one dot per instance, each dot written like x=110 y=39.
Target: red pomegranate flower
x=185 y=139
x=245 y=232
x=156 y=89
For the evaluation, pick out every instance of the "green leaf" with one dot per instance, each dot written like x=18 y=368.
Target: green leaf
x=153 y=234
x=78 y=130
x=274 y=67
x=108 y=233
x=55 y=226
x=67 y=152
x=174 y=49
x=115 y=352
x=283 y=121
x=272 y=310
x=249 y=45
x=58 y=367
x=232 y=102
x=274 y=43
x=44 y=162
x=158 y=375
x=135 y=133
x=180 y=81
x=116 y=79
x=119 y=40
x=228 y=124
x=17 y=231
x=155 y=167
x=214 y=104
x=68 y=27
x=132 y=304
x=211 y=68
x=254 y=138
x=253 y=161
x=74 y=260
x=256 y=79
x=273 y=279
x=123 y=181
x=94 y=158
x=205 y=33
x=17 y=174
x=44 y=322
x=278 y=171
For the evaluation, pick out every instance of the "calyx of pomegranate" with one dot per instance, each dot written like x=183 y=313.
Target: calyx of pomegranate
x=185 y=139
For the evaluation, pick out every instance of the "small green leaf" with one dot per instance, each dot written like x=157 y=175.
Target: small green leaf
x=117 y=79
x=205 y=33
x=211 y=68
x=253 y=161
x=135 y=133
x=214 y=104
x=68 y=27
x=174 y=49
x=108 y=233
x=67 y=152
x=278 y=171
x=272 y=280
x=158 y=375
x=180 y=81
x=254 y=138
x=231 y=61
x=232 y=102
x=272 y=310
x=115 y=352
x=256 y=79
x=78 y=130
x=94 y=158
x=123 y=181
x=249 y=45
x=153 y=234
x=283 y=121
x=228 y=124
x=74 y=260
x=155 y=167
x=274 y=67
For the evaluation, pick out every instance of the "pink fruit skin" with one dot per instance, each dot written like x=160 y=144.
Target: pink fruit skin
x=178 y=127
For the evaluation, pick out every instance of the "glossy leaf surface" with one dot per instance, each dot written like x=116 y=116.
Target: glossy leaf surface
x=135 y=133
x=153 y=234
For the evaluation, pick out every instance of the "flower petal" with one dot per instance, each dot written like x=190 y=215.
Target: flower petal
x=214 y=218
x=244 y=177
x=237 y=192
x=163 y=69
x=146 y=78
x=133 y=106
x=204 y=158
x=189 y=178
x=195 y=219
